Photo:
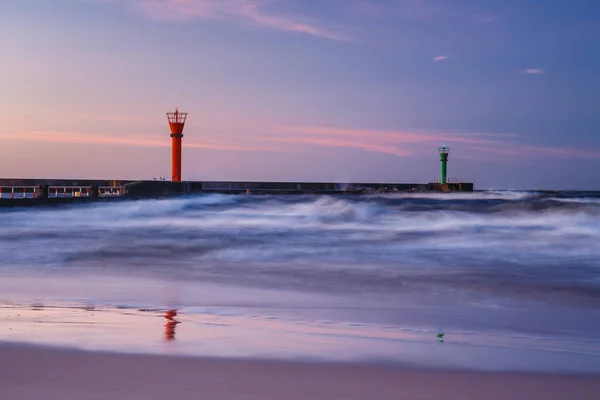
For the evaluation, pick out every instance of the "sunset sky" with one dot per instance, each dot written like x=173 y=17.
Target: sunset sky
x=304 y=90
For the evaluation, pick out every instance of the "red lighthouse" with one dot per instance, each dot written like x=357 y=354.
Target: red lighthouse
x=176 y=123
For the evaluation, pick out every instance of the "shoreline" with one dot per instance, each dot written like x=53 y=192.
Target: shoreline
x=223 y=333
x=30 y=371
x=244 y=324
x=375 y=363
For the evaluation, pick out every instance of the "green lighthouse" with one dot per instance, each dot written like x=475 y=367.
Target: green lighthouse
x=444 y=160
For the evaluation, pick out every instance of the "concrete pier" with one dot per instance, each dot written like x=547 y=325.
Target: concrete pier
x=22 y=192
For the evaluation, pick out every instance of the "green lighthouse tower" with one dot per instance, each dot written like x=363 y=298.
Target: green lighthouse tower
x=444 y=160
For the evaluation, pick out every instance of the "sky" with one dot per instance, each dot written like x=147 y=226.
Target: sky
x=303 y=90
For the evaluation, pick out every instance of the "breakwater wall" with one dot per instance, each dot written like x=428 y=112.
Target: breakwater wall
x=57 y=191
x=165 y=187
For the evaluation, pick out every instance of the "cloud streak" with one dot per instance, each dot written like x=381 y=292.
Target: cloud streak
x=533 y=71
x=248 y=13
x=485 y=18
x=397 y=143
x=296 y=138
x=528 y=151
x=352 y=144
x=392 y=136
x=440 y=58
x=208 y=143
x=405 y=144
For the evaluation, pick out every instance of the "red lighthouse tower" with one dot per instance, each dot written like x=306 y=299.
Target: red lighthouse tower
x=176 y=123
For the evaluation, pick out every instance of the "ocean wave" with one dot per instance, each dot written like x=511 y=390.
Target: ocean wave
x=538 y=243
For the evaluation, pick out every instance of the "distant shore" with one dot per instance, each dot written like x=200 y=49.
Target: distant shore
x=30 y=372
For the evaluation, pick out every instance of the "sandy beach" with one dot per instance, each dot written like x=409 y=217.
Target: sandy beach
x=28 y=373
x=301 y=298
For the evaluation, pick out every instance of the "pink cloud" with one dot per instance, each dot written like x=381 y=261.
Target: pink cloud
x=396 y=143
x=440 y=58
x=283 y=138
x=333 y=142
x=208 y=142
x=402 y=144
x=533 y=71
x=393 y=136
x=244 y=12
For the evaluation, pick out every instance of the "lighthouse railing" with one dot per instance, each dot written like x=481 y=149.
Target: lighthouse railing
x=448 y=180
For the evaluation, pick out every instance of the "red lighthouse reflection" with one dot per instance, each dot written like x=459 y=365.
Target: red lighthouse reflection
x=170 y=325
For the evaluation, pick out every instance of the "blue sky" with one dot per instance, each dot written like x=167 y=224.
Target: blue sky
x=343 y=90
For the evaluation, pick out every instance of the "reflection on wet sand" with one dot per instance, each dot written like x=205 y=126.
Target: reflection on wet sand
x=170 y=325
x=133 y=330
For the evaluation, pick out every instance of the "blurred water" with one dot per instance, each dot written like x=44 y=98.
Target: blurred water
x=515 y=263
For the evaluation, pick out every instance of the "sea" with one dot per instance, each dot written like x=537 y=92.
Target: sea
x=489 y=280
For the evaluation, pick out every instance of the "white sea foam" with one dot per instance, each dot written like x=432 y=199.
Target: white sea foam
x=518 y=232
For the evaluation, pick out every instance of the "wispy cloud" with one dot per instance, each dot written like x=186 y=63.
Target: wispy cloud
x=528 y=151
x=403 y=143
x=353 y=144
x=393 y=136
x=297 y=138
x=208 y=142
x=250 y=13
x=275 y=139
x=398 y=143
x=440 y=58
x=533 y=71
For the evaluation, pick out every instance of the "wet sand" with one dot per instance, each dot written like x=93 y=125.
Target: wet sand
x=28 y=372
x=224 y=332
